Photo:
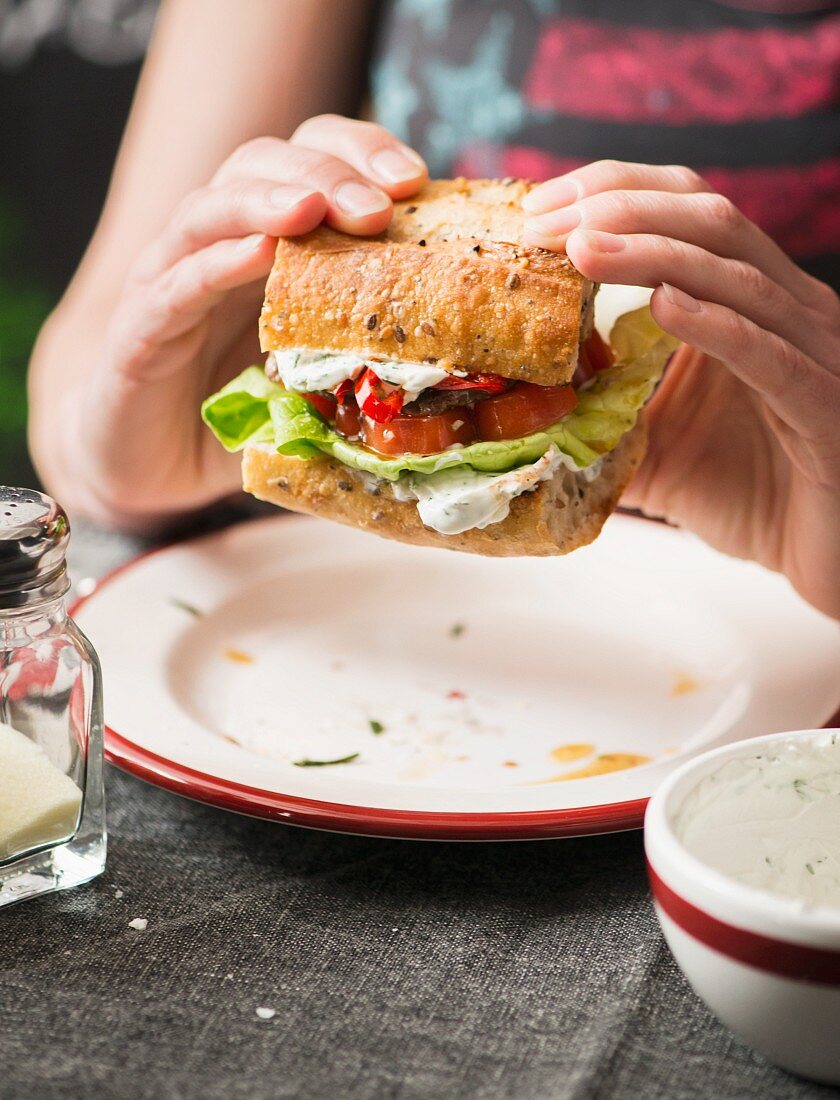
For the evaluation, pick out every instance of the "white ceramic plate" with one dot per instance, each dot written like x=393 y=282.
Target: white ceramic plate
x=494 y=681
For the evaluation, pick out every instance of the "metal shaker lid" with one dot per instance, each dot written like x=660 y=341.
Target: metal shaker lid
x=34 y=532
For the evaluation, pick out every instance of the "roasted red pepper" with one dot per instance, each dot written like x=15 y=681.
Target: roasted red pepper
x=492 y=383
x=377 y=399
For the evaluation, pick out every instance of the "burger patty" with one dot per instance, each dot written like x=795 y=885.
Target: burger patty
x=432 y=402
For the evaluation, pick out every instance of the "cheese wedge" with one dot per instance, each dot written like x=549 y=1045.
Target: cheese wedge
x=38 y=803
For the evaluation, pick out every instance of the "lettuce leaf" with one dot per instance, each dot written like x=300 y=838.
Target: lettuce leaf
x=252 y=409
x=239 y=413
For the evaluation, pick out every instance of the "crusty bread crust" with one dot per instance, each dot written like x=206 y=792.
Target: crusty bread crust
x=447 y=280
x=558 y=516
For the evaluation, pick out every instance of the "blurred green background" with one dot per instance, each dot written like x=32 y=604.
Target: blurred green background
x=23 y=307
x=67 y=75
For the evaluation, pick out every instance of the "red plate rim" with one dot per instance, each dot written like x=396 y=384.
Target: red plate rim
x=369 y=820
x=609 y=817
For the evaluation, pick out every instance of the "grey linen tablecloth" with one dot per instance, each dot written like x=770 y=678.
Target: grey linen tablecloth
x=396 y=969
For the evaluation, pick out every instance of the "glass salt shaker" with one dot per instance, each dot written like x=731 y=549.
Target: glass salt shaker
x=52 y=804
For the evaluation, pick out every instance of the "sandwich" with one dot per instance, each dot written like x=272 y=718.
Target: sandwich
x=440 y=384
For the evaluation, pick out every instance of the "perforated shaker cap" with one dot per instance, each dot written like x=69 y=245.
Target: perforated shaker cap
x=34 y=532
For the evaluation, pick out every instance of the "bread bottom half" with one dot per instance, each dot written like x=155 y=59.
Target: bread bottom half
x=558 y=516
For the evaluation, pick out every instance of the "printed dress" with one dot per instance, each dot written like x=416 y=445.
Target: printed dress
x=746 y=93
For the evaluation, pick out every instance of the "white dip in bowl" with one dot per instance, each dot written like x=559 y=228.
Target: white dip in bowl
x=772 y=820
x=743 y=849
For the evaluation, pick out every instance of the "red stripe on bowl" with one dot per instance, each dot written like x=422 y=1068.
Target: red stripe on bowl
x=781 y=957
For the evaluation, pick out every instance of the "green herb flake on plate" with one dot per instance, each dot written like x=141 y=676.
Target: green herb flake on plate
x=307 y=763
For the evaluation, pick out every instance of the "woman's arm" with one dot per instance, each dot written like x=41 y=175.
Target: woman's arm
x=209 y=84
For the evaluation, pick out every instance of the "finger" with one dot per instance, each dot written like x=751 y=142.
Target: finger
x=354 y=204
x=643 y=259
x=612 y=175
x=371 y=149
x=236 y=209
x=184 y=296
x=705 y=219
x=799 y=391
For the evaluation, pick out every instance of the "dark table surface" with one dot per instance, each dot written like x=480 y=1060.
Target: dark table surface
x=395 y=968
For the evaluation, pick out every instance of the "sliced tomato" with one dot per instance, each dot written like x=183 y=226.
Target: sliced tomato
x=522 y=410
x=584 y=371
x=419 y=435
x=377 y=399
x=598 y=352
x=492 y=383
x=595 y=355
x=323 y=403
x=347 y=417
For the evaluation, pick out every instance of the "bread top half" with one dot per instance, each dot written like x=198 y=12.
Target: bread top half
x=447 y=282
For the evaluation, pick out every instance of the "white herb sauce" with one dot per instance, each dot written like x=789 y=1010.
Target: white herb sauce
x=461 y=499
x=308 y=370
x=413 y=377
x=772 y=821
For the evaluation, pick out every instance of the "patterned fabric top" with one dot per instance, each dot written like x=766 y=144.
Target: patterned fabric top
x=747 y=93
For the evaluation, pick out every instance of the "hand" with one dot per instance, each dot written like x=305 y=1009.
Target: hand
x=187 y=318
x=745 y=427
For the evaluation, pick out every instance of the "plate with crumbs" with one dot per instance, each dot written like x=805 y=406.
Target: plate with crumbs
x=315 y=675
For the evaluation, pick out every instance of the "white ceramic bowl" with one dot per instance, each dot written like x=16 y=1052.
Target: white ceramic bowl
x=767 y=966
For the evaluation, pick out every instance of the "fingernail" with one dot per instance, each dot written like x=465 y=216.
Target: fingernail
x=680 y=299
x=359 y=199
x=395 y=167
x=602 y=242
x=557 y=223
x=548 y=196
x=287 y=198
x=530 y=239
x=252 y=243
